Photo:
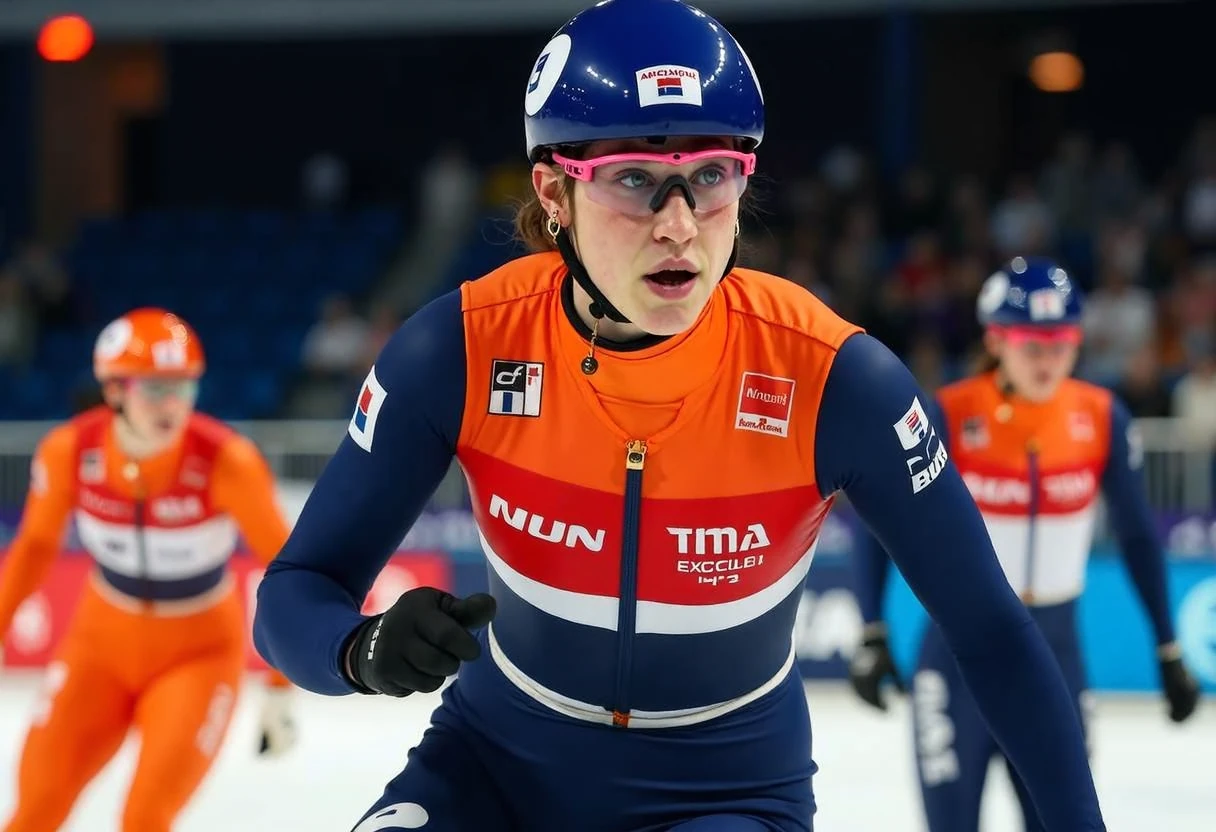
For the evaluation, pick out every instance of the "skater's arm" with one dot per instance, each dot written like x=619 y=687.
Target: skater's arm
x=918 y=507
x=399 y=445
x=1129 y=512
x=243 y=486
x=48 y=504
x=871 y=566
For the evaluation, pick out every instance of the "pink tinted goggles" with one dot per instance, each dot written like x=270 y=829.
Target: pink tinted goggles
x=1047 y=335
x=639 y=184
x=158 y=390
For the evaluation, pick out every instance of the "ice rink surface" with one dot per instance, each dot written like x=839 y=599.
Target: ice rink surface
x=1152 y=775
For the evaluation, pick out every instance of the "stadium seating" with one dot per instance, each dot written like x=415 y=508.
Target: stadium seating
x=250 y=282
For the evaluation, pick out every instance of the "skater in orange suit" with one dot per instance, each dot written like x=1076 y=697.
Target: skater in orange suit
x=158 y=640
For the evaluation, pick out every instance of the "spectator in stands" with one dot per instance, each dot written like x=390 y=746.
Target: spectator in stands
x=48 y=287
x=450 y=186
x=1142 y=388
x=916 y=207
x=1191 y=310
x=1022 y=222
x=1195 y=396
x=927 y=361
x=1199 y=206
x=958 y=328
x=1067 y=185
x=384 y=321
x=325 y=181
x=335 y=347
x=854 y=267
x=1120 y=320
x=922 y=266
x=965 y=222
x=1117 y=191
x=18 y=331
x=802 y=271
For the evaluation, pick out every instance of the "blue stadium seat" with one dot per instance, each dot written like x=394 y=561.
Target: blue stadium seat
x=251 y=281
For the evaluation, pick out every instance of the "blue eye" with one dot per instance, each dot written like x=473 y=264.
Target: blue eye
x=634 y=179
x=709 y=177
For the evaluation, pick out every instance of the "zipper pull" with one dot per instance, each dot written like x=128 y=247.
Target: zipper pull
x=635 y=455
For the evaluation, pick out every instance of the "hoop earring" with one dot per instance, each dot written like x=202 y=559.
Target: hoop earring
x=553 y=226
x=736 y=228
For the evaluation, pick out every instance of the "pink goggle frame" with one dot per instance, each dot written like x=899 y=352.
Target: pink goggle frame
x=159 y=389
x=1054 y=335
x=630 y=182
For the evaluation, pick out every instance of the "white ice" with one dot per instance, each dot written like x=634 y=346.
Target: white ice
x=1152 y=776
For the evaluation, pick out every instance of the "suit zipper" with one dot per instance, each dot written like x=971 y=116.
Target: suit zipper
x=1032 y=460
x=635 y=462
x=131 y=471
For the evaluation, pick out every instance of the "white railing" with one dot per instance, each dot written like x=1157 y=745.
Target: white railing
x=1179 y=469
x=296 y=450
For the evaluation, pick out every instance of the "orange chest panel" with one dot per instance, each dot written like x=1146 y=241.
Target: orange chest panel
x=720 y=501
x=174 y=491
x=1020 y=458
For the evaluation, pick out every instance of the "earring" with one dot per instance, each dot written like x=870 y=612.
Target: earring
x=553 y=226
x=736 y=228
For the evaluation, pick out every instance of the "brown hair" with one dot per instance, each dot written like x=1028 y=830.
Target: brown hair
x=532 y=222
x=985 y=363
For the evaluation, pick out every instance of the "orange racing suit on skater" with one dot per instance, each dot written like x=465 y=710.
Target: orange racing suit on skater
x=158 y=641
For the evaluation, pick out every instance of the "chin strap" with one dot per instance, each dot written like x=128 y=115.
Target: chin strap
x=601 y=307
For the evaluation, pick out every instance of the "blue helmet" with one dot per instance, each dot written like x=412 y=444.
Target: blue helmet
x=1030 y=291
x=626 y=69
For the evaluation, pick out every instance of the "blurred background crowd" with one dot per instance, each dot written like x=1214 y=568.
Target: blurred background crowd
x=297 y=248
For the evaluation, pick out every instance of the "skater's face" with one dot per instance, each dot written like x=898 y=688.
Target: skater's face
x=658 y=267
x=157 y=408
x=1035 y=362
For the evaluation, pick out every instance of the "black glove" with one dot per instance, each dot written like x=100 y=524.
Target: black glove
x=870 y=665
x=1181 y=689
x=418 y=642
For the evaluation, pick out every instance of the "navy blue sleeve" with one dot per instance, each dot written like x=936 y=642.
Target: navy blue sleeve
x=398 y=447
x=1132 y=519
x=871 y=567
x=874 y=441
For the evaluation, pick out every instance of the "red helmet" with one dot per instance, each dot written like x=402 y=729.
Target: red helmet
x=148 y=342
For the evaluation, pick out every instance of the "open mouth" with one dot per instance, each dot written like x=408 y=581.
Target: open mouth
x=671 y=277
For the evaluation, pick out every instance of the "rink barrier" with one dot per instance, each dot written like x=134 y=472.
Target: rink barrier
x=1116 y=638
x=43 y=618
x=1180 y=468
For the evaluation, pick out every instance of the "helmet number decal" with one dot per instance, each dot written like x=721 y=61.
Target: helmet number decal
x=545 y=73
x=169 y=355
x=668 y=84
x=1046 y=305
x=113 y=340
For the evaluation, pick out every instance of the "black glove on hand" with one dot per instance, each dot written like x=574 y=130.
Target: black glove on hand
x=870 y=665
x=418 y=642
x=1181 y=689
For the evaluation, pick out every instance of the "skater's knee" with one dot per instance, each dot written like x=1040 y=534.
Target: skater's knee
x=148 y=816
x=40 y=806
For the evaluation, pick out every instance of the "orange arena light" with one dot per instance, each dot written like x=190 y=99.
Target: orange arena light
x=68 y=37
x=1057 y=72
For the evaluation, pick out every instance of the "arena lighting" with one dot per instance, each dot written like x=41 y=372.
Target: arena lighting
x=65 y=38
x=1057 y=72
